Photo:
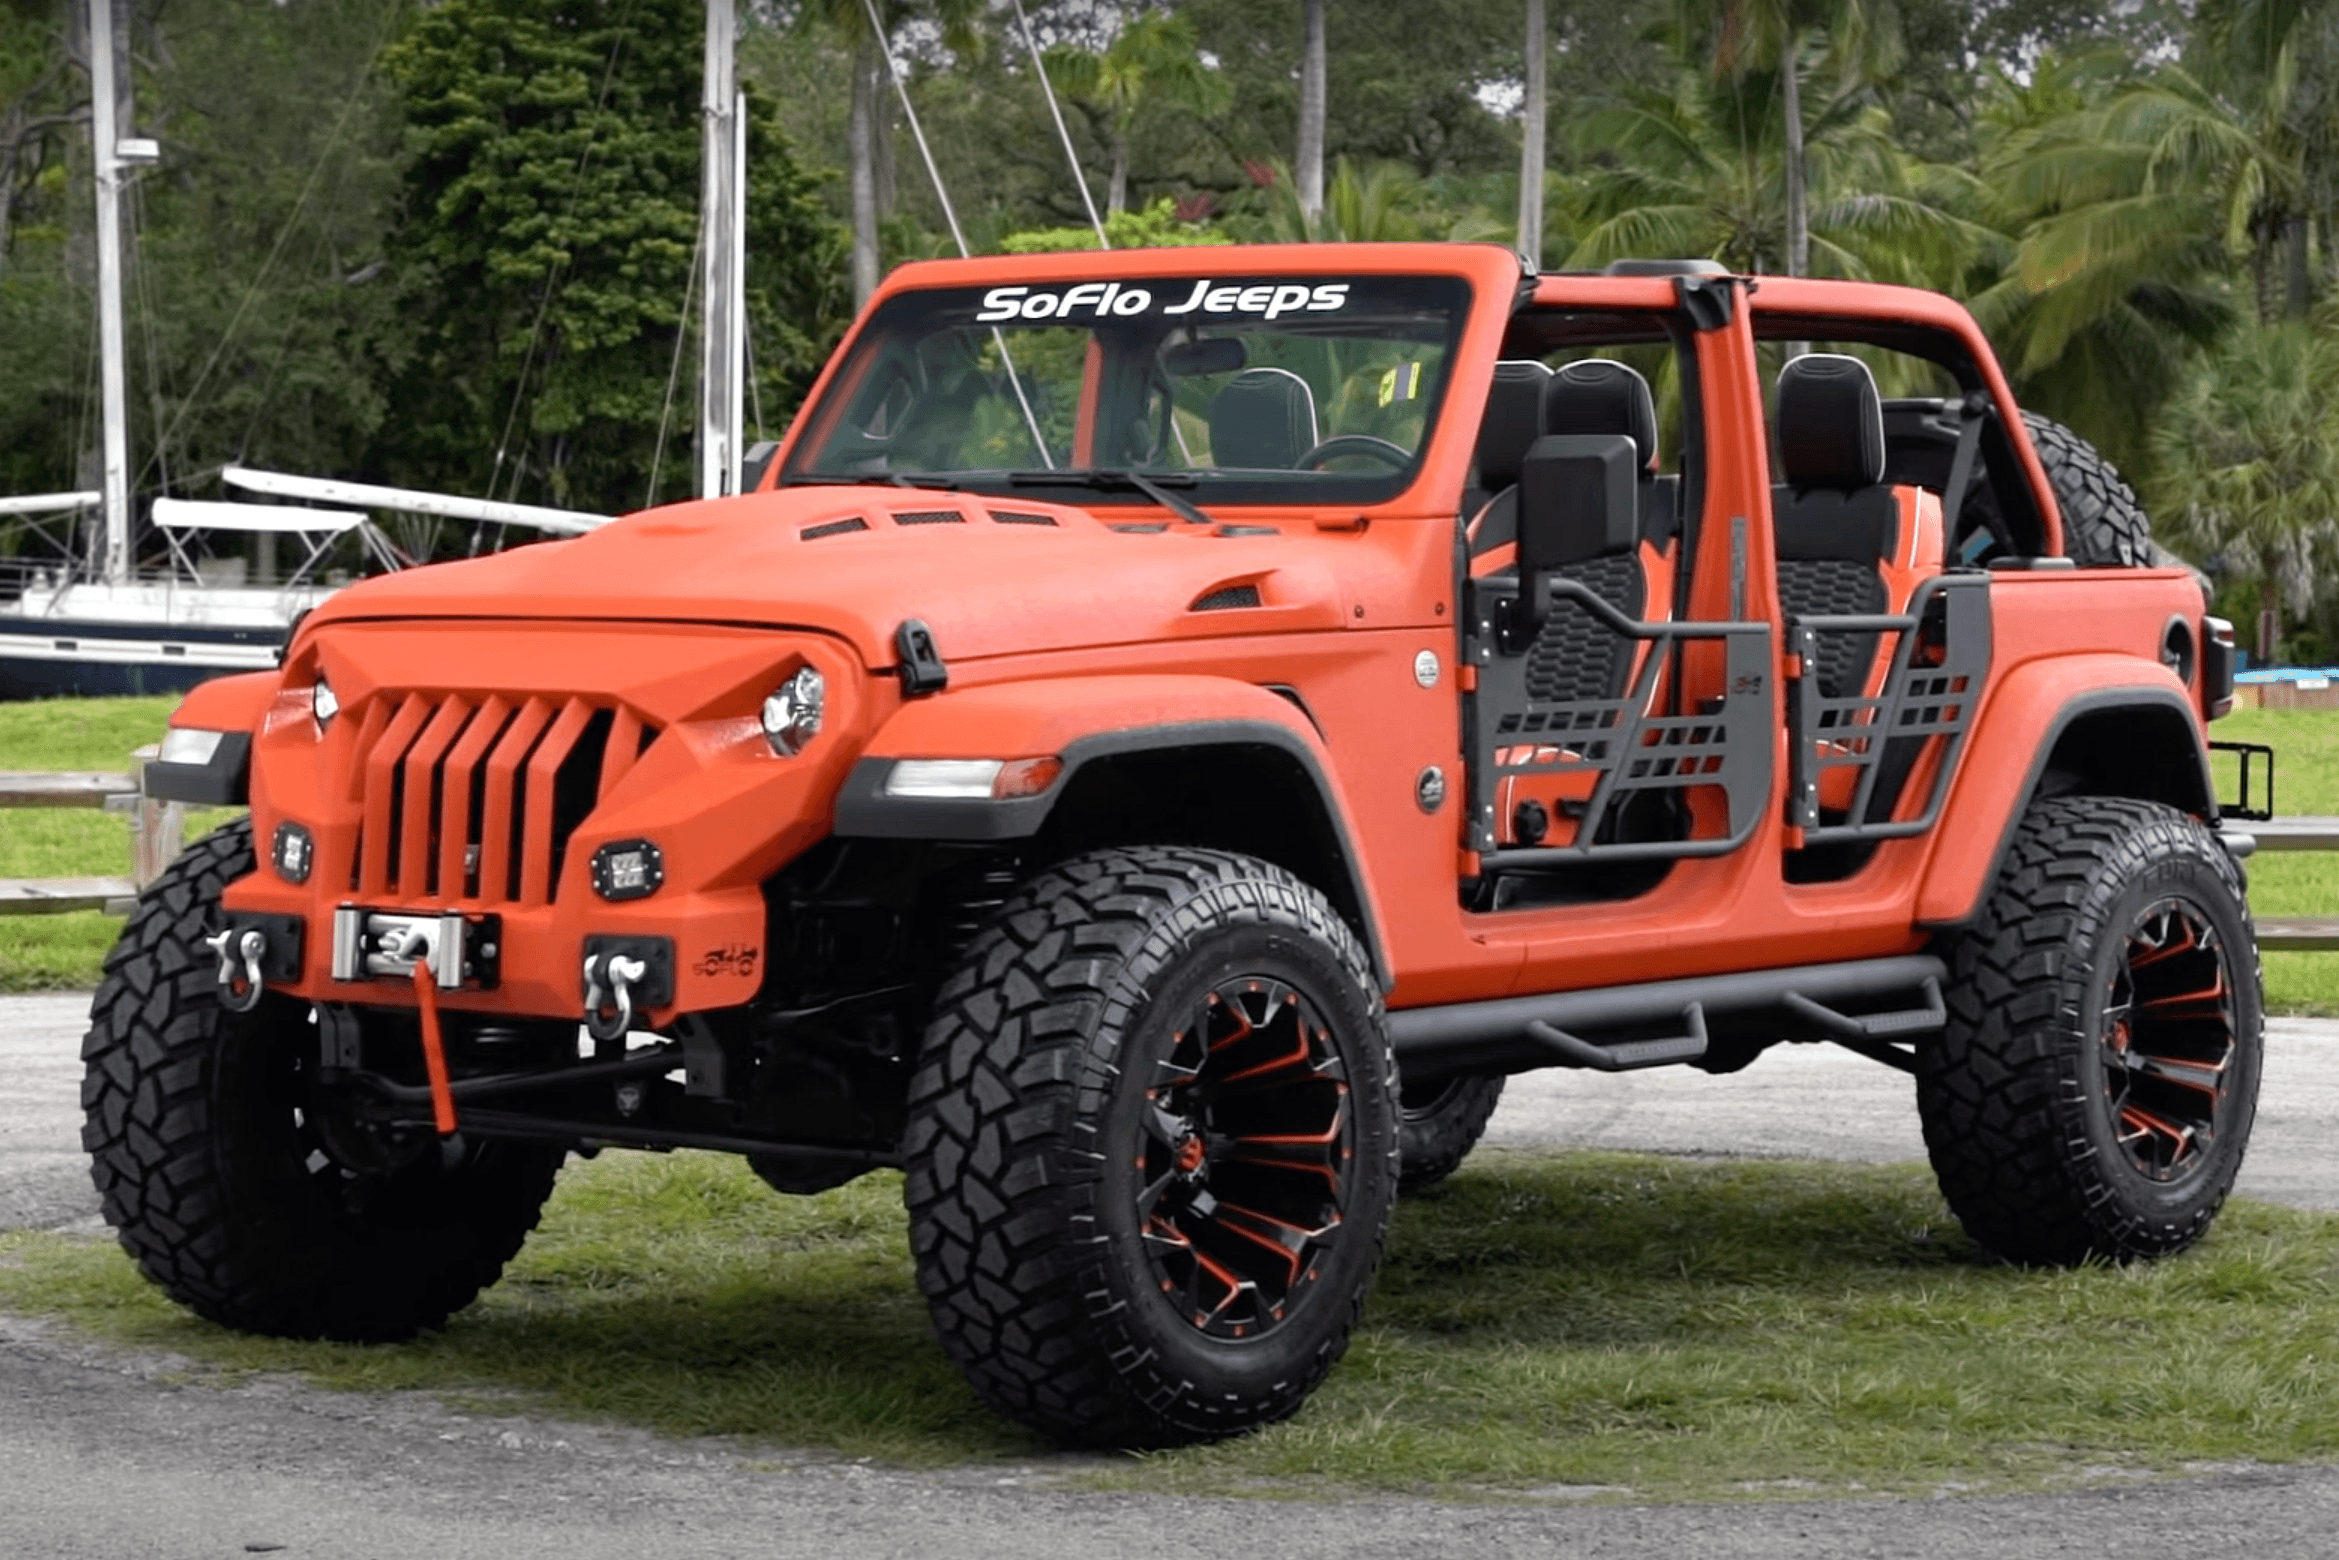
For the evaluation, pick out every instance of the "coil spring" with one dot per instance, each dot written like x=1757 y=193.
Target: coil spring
x=978 y=895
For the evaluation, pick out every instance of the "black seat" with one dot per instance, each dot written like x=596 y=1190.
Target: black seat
x=1264 y=420
x=1593 y=396
x=1599 y=395
x=1836 y=521
x=1514 y=420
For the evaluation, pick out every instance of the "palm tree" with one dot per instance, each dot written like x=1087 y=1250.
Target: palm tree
x=1385 y=203
x=850 y=20
x=2125 y=199
x=1754 y=36
x=2248 y=464
x=1532 y=132
x=1310 y=159
x=1694 y=167
x=1153 y=60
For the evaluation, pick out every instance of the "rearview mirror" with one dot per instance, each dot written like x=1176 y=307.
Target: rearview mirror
x=1214 y=355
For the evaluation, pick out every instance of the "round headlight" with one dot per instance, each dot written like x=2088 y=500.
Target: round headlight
x=791 y=715
x=324 y=703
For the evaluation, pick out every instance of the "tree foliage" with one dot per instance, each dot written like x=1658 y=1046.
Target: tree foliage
x=542 y=265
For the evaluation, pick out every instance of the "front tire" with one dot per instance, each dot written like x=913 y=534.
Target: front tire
x=2093 y=1093
x=1152 y=1148
x=226 y=1171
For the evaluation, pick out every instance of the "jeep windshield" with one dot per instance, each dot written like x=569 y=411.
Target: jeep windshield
x=1242 y=390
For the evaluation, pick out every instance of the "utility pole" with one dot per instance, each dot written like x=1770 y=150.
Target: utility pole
x=1532 y=133
x=722 y=246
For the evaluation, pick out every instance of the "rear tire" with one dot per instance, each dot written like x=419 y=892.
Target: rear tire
x=1152 y=1148
x=2093 y=1092
x=226 y=1171
x=1438 y=1123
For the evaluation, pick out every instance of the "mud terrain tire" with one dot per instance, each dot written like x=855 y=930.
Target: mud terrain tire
x=2093 y=1092
x=2104 y=525
x=216 y=1163
x=1155 y=1071
x=1438 y=1123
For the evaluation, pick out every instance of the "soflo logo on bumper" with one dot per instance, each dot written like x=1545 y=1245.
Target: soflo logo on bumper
x=1097 y=300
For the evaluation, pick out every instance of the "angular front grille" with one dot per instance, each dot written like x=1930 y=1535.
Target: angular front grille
x=474 y=799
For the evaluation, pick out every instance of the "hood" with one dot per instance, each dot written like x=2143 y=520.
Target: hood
x=990 y=576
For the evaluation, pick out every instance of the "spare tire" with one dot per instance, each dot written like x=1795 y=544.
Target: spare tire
x=2104 y=526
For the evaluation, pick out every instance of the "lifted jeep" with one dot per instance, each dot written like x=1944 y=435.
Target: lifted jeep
x=1166 y=735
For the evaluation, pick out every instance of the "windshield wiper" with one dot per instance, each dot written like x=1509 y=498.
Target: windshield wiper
x=1110 y=479
x=900 y=479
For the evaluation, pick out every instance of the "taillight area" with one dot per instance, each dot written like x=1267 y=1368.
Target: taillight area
x=2217 y=665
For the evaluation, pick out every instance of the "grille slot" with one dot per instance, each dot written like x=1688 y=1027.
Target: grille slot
x=1021 y=517
x=845 y=527
x=476 y=798
x=928 y=517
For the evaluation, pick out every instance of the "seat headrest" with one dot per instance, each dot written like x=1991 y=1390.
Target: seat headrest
x=1830 y=423
x=1514 y=420
x=1265 y=419
x=1599 y=395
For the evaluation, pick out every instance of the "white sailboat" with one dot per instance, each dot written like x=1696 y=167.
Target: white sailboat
x=79 y=615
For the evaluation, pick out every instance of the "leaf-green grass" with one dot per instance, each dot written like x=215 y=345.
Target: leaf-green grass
x=63 y=952
x=1652 y=1327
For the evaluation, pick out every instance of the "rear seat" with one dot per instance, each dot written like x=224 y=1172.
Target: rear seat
x=1848 y=543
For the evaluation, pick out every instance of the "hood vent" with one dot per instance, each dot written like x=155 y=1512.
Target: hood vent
x=844 y=527
x=928 y=517
x=1021 y=517
x=1226 y=598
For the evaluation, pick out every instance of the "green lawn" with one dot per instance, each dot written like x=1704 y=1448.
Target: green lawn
x=63 y=952
x=1665 y=1329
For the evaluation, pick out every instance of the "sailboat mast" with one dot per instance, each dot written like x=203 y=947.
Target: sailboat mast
x=115 y=505
x=720 y=224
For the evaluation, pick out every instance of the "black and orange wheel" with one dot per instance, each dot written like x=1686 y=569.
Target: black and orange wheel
x=230 y=1173
x=1152 y=1148
x=2093 y=1093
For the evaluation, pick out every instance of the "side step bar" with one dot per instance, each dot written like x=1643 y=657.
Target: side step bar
x=1514 y=1034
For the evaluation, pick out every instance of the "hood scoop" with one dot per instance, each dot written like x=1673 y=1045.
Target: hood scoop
x=870 y=520
x=1227 y=598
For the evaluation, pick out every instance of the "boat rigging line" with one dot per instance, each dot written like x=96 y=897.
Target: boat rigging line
x=950 y=215
x=1055 y=112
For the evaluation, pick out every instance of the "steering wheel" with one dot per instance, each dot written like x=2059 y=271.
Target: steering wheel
x=1397 y=455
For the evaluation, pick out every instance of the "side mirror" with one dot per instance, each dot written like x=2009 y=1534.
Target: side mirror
x=755 y=463
x=1577 y=501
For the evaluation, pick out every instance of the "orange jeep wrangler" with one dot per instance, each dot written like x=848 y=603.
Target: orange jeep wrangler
x=1164 y=736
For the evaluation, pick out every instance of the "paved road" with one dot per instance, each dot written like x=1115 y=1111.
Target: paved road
x=110 y=1456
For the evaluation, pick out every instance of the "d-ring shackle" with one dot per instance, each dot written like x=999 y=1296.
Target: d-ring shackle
x=239 y=958
x=609 y=982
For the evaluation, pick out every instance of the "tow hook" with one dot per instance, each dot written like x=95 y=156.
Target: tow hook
x=609 y=983
x=254 y=950
x=241 y=985
x=624 y=976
